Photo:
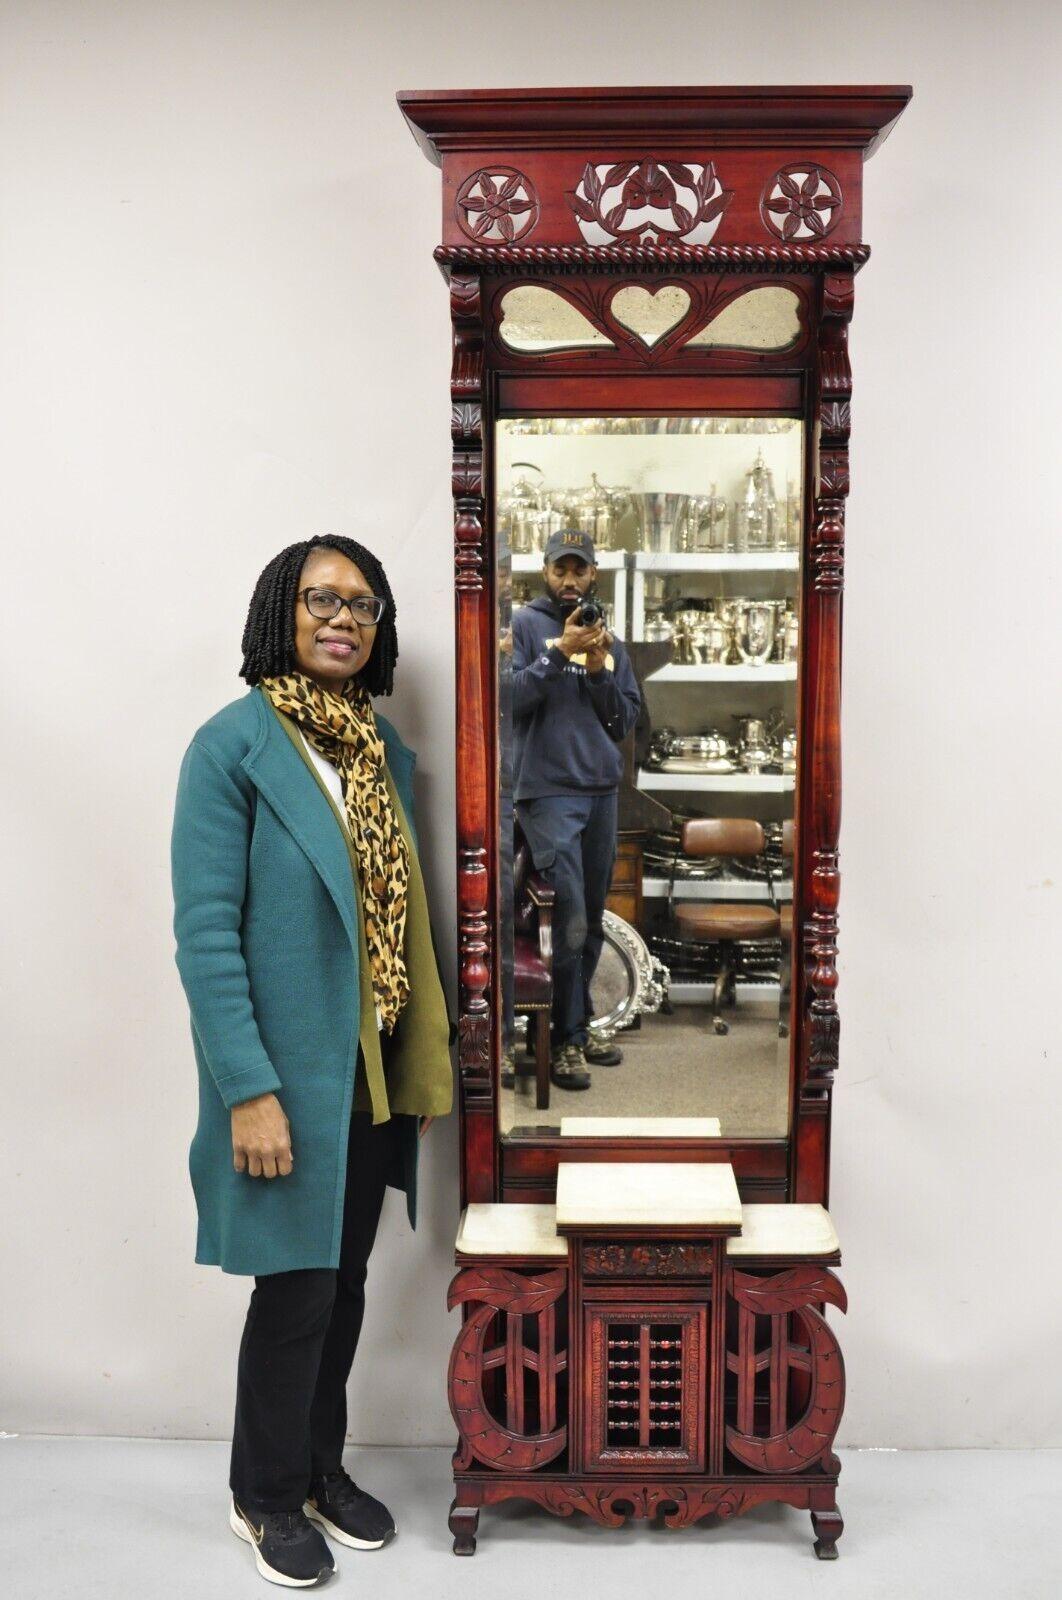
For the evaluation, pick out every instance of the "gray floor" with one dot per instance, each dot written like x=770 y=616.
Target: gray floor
x=98 y=1517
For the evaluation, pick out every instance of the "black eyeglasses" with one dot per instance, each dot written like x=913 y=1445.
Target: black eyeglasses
x=365 y=609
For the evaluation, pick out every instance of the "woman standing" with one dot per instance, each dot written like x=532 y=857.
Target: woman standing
x=319 y=1025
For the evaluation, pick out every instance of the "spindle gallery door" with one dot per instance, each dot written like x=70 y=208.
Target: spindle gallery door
x=646 y=1398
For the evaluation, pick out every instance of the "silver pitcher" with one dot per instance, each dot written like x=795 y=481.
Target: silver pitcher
x=519 y=509
x=787 y=631
x=707 y=524
x=756 y=513
x=754 y=631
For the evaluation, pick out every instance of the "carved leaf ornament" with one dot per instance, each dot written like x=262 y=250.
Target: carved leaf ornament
x=648 y=202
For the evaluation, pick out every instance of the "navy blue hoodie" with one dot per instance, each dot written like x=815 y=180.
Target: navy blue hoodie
x=567 y=723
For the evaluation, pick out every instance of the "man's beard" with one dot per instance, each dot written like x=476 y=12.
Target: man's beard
x=565 y=606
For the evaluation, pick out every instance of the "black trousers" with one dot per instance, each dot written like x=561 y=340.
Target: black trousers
x=298 y=1346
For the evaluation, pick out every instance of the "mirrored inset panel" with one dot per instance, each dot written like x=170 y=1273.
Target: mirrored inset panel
x=762 y=319
x=534 y=318
x=648 y=659
x=650 y=313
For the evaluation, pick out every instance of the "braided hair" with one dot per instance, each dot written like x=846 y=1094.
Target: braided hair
x=269 y=632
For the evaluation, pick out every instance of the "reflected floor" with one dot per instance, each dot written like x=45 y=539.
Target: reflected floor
x=676 y=1067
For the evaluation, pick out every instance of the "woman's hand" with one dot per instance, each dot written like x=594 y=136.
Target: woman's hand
x=261 y=1138
x=425 y=1124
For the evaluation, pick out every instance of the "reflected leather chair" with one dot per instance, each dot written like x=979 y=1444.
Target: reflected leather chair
x=723 y=922
x=533 y=958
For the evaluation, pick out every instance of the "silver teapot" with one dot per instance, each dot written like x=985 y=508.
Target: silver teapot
x=595 y=511
x=658 y=630
x=709 y=640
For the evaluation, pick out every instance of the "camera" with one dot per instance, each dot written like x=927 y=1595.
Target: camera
x=590 y=613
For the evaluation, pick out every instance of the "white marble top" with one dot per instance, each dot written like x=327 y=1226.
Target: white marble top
x=640 y=1127
x=781 y=1230
x=488 y=1229
x=655 y=1194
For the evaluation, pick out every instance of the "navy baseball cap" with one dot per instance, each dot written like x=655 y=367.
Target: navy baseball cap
x=570 y=542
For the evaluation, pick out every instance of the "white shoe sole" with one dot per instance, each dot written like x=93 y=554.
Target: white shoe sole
x=337 y=1533
x=270 y=1574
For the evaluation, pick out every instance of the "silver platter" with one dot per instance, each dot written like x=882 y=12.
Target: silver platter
x=628 y=981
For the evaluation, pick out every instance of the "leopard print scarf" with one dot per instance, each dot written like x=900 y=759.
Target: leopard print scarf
x=344 y=731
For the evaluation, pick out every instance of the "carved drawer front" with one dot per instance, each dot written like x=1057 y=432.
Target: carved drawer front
x=646 y=1406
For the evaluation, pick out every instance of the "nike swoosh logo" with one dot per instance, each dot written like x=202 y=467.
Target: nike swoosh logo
x=257 y=1533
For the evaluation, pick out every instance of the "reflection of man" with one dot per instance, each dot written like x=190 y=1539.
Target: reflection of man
x=575 y=697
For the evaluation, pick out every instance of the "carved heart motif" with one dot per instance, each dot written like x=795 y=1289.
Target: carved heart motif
x=650 y=313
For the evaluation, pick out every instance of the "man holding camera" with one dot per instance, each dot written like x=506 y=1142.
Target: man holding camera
x=574 y=699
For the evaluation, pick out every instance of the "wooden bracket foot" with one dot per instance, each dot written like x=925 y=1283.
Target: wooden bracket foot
x=464 y=1520
x=828 y=1526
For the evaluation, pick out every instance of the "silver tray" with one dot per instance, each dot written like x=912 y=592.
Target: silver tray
x=696 y=764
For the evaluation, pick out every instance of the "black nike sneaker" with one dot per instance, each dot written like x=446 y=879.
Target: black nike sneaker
x=287 y=1549
x=347 y=1513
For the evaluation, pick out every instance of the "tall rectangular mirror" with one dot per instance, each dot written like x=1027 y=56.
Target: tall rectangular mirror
x=648 y=631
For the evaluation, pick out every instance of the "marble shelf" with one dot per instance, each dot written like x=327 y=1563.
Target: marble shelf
x=784 y=1230
x=801 y=1232
x=629 y=1197
x=489 y=1229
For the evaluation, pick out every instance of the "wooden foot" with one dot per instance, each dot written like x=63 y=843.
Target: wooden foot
x=464 y=1520
x=828 y=1526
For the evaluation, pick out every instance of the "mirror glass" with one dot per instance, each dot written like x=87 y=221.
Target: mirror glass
x=539 y=319
x=648 y=655
x=762 y=319
x=650 y=313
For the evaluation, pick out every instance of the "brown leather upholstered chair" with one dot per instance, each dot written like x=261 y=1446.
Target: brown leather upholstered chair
x=533 y=958
x=718 y=921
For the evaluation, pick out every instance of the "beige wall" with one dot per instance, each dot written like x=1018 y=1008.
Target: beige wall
x=222 y=330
